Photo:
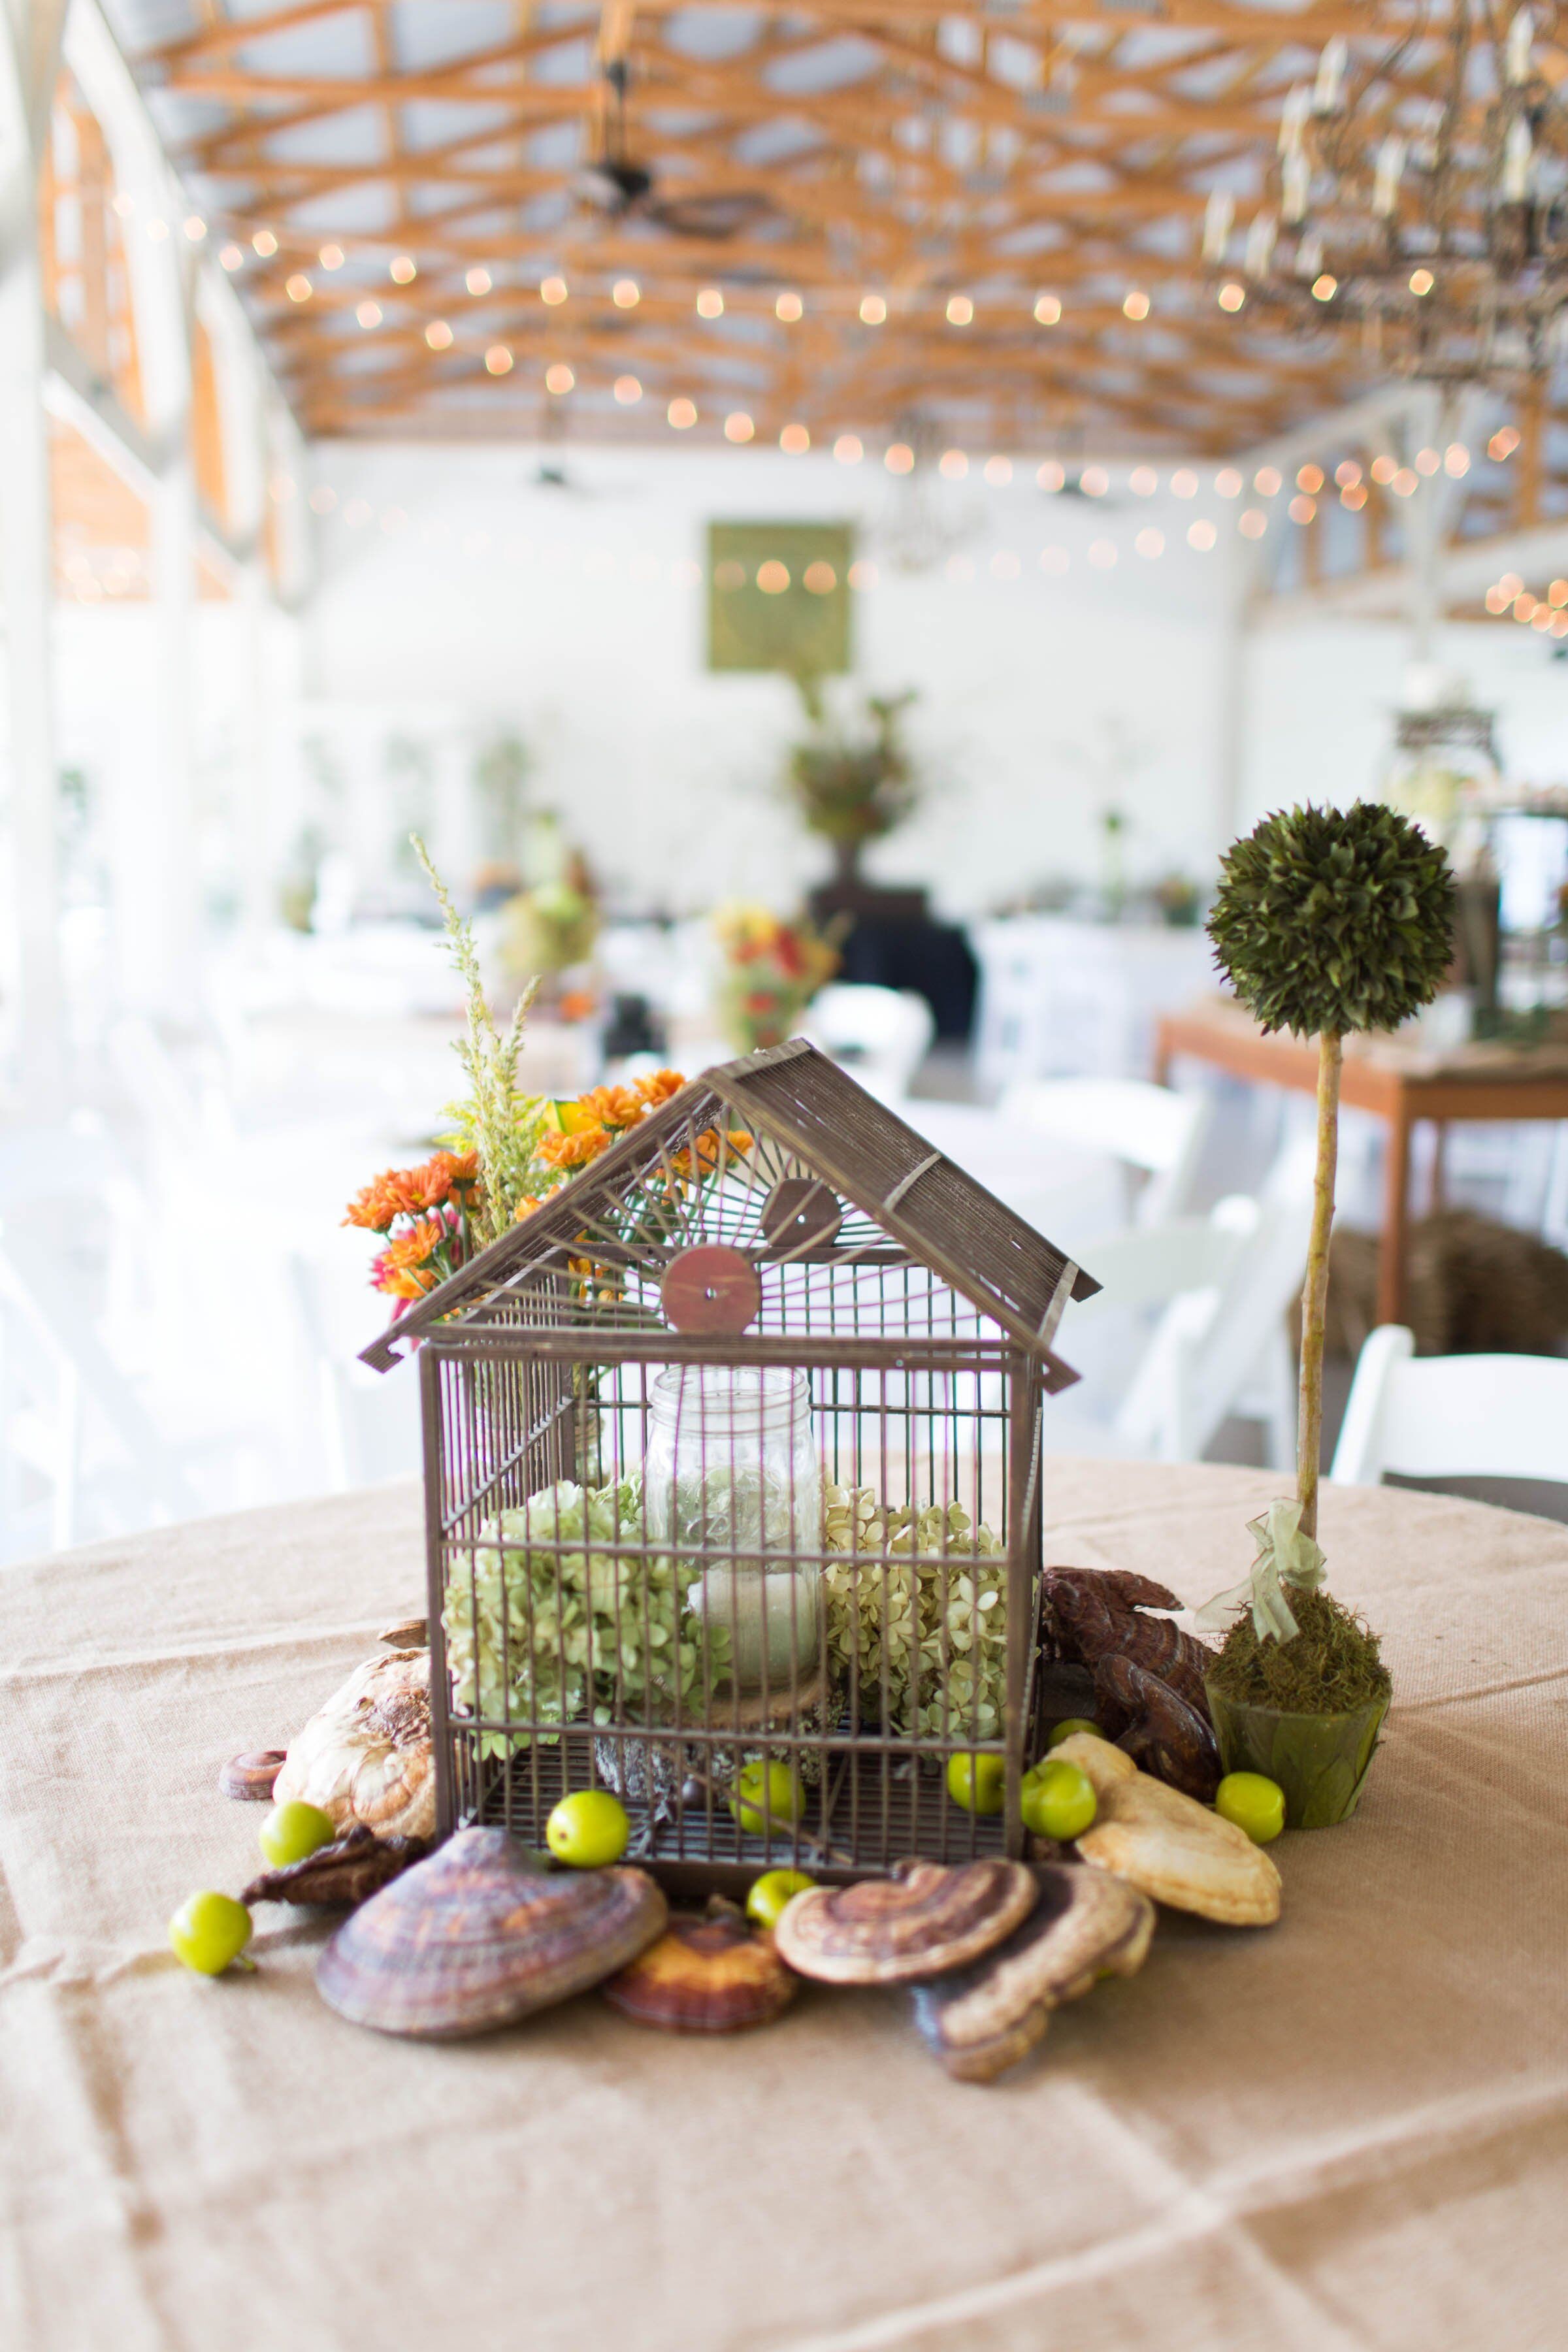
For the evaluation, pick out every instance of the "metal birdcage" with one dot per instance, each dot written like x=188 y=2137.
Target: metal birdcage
x=732 y=1474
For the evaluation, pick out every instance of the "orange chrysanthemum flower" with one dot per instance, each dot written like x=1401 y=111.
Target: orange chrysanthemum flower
x=378 y=1204
x=573 y=1150
x=409 y=1192
x=403 y=1268
x=526 y=1207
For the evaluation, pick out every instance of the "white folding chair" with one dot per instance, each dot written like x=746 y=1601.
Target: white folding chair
x=882 y=1035
x=1150 y=1129
x=1451 y=1416
x=365 y=1427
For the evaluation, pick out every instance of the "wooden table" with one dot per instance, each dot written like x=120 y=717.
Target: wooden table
x=1346 y=2132
x=1393 y=1076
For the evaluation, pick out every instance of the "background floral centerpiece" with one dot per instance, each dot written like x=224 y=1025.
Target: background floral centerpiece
x=772 y=970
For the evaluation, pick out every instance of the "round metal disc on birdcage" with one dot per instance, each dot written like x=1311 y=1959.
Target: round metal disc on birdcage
x=712 y=1288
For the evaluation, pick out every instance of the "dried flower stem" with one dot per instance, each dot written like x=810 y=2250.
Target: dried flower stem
x=496 y=1122
x=1315 y=1290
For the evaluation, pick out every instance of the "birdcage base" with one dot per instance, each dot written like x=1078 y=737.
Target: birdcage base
x=870 y=1809
x=660 y=1773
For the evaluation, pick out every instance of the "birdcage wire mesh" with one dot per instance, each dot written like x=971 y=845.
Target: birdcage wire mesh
x=762 y=1582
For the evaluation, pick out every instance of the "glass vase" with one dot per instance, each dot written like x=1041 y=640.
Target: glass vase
x=731 y=1474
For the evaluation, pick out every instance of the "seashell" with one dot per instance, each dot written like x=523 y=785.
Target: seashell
x=1170 y=1847
x=408 y=1633
x=1085 y=1924
x=366 y=1756
x=251 y=1776
x=710 y=1975
x=923 y=1919
x=479 y=1935
x=348 y=1871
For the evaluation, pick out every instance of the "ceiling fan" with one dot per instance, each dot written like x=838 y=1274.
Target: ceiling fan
x=619 y=187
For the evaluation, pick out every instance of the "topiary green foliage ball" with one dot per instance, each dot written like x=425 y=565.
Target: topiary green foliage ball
x=1330 y=920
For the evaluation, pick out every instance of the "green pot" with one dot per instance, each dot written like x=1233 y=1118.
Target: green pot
x=1319 y=1760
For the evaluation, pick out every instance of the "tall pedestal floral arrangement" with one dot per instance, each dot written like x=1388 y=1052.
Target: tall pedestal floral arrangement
x=1329 y=922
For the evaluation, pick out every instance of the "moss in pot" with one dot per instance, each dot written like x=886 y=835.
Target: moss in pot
x=1326 y=921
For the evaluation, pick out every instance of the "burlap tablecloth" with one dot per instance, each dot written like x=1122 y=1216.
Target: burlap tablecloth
x=1349 y=2131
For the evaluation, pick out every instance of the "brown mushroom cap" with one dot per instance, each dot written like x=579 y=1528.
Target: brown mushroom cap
x=984 y=2018
x=704 y=1976
x=923 y=1919
x=478 y=1936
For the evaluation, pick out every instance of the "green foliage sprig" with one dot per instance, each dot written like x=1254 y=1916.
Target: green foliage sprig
x=853 y=782
x=1330 y=920
x=497 y=1120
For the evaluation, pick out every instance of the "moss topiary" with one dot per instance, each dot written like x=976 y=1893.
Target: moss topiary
x=1330 y=920
x=1332 y=1664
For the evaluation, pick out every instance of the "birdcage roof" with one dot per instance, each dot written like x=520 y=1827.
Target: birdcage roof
x=817 y=1117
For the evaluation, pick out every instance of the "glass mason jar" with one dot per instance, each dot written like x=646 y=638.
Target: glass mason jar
x=730 y=1470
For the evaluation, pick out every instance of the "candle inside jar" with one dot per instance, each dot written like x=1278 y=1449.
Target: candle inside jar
x=730 y=1475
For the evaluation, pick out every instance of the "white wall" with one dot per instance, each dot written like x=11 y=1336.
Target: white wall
x=568 y=616
x=1319 y=698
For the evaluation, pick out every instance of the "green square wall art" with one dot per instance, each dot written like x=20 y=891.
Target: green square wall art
x=779 y=597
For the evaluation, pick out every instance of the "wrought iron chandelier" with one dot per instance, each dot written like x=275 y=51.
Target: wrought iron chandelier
x=1423 y=195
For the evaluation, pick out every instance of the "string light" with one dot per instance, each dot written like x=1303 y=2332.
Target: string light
x=1185 y=483
x=625 y=293
x=848 y=449
x=1252 y=522
x=368 y=314
x=1231 y=295
x=960 y=310
x=1510 y=584
x=498 y=360
x=1135 y=304
x=710 y=303
x=738 y=425
x=1557 y=594
x=1143 y=481
x=873 y=309
x=157 y=230
x=900 y=458
x=403 y=270
x=795 y=440
x=1422 y=281
x=1047 y=310
x=299 y=288
x=1354 y=496
x=953 y=465
x=682 y=414
x=438 y=335
x=331 y=256
x=559 y=379
x=1496 y=600
x=1301 y=509
x=1347 y=473
x=1051 y=476
x=264 y=243
x=1428 y=461
x=232 y=256
x=1201 y=535
x=1310 y=478
x=1383 y=470
x=1228 y=482
x=478 y=281
x=1406 y=483
x=628 y=391
x=819 y=579
x=789 y=307
x=863 y=574
x=998 y=471
x=1455 y=460
x=1268 y=482
x=324 y=499
x=1503 y=443
x=1102 y=553
x=1150 y=543
x=1325 y=287
x=772 y=577
x=552 y=290
x=195 y=227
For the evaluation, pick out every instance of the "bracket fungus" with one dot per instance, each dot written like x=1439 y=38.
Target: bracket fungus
x=350 y=1870
x=983 y=2018
x=1153 y=1722
x=710 y=1975
x=1168 y=1846
x=923 y=1919
x=479 y=1935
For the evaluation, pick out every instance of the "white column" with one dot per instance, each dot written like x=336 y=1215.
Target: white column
x=29 y=48
x=172 y=817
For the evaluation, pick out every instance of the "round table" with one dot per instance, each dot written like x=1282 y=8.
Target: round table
x=1350 y=2130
